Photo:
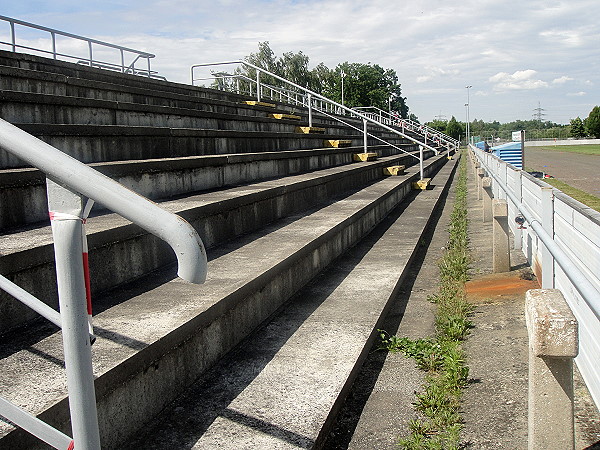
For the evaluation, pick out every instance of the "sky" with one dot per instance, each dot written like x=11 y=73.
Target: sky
x=520 y=57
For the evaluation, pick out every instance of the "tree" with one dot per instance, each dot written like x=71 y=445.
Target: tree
x=577 y=128
x=368 y=85
x=592 y=123
x=364 y=84
x=454 y=129
x=439 y=125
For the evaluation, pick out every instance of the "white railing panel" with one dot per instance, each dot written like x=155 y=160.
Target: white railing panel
x=576 y=242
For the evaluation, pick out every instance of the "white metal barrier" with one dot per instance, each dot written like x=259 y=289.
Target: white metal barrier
x=70 y=185
x=318 y=102
x=125 y=53
x=562 y=243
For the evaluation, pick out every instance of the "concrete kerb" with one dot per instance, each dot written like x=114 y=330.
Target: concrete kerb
x=553 y=344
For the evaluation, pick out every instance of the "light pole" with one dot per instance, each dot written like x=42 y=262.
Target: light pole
x=468 y=121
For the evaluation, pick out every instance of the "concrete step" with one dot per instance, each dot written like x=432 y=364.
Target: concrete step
x=156 y=342
x=283 y=385
x=97 y=143
x=23 y=191
x=52 y=69
x=27 y=256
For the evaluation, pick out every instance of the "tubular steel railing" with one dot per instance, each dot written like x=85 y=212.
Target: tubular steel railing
x=71 y=184
x=90 y=60
x=313 y=101
x=406 y=124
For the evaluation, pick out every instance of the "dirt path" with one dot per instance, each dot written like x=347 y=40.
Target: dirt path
x=576 y=169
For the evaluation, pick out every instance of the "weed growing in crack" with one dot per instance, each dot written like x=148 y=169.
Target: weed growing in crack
x=442 y=357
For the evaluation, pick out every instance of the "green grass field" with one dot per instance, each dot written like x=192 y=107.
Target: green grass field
x=587 y=199
x=586 y=149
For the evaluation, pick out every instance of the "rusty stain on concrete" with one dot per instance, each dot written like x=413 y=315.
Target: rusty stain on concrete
x=499 y=287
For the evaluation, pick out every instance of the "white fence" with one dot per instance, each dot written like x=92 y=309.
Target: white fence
x=575 y=229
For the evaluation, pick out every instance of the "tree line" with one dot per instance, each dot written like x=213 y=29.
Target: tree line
x=364 y=84
x=372 y=85
x=535 y=129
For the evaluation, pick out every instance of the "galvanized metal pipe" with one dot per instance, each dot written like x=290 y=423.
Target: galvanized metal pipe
x=179 y=234
x=35 y=426
x=72 y=299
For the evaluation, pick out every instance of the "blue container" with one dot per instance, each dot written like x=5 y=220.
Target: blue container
x=511 y=153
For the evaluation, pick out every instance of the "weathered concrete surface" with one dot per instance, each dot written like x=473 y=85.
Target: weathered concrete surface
x=500 y=231
x=495 y=403
x=553 y=343
x=281 y=387
x=27 y=257
x=379 y=405
x=158 y=341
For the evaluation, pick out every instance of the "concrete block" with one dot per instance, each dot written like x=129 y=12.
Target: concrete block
x=553 y=343
x=500 y=230
x=361 y=157
x=308 y=130
x=487 y=199
x=255 y=103
x=553 y=329
x=284 y=116
x=422 y=184
x=337 y=143
x=480 y=175
x=393 y=170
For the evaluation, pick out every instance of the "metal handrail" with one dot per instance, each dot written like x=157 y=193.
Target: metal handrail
x=313 y=95
x=70 y=182
x=388 y=117
x=130 y=68
x=585 y=288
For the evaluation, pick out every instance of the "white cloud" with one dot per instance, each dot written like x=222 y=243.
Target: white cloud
x=436 y=48
x=577 y=94
x=562 y=80
x=520 y=80
x=436 y=72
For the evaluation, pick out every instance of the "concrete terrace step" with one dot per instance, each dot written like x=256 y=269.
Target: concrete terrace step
x=50 y=67
x=98 y=143
x=25 y=107
x=28 y=259
x=23 y=192
x=281 y=387
x=154 y=344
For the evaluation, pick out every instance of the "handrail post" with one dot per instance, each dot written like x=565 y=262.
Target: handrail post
x=13 y=36
x=258 y=85
x=148 y=59
x=123 y=65
x=553 y=333
x=91 y=56
x=53 y=35
x=365 y=135
x=547 y=201
x=420 y=162
x=66 y=209
x=310 y=118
